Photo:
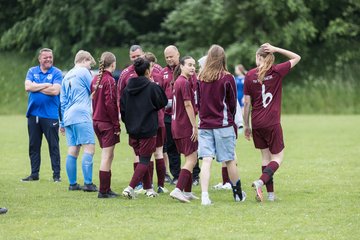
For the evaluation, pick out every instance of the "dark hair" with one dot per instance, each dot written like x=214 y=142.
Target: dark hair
x=177 y=70
x=141 y=65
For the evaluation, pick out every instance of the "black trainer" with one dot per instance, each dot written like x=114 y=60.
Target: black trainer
x=195 y=182
x=57 y=179
x=90 y=187
x=168 y=178
x=3 y=210
x=30 y=178
x=238 y=194
x=174 y=181
x=75 y=187
x=109 y=194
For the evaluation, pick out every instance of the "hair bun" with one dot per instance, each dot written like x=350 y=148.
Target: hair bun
x=138 y=62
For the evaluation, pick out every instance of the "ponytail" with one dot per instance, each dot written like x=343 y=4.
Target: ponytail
x=99 y=77
x=106 y=59
x=176 y=74
x=269 y=59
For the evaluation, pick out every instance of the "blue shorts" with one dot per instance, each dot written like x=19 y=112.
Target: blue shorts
x=80 y=134
x=219 y=143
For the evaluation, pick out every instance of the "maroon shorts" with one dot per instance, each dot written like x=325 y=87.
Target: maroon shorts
x=270 y=137
x=186 y=146
x=143 y=147
x=105 y=134
x=160 y=137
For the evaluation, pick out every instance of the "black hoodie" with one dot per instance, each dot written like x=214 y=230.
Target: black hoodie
x=139 y=104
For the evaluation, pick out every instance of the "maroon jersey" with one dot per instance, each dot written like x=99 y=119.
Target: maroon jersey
x=195 y=88
x=181 y=126
x=156 y=77
x=165 y=79
x=266 y=98
x=156 y=72
x=125 y=75
x=104 y=100
x=218 y=101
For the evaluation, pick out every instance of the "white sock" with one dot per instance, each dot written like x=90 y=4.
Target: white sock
x=204 y=195
x=271 y=195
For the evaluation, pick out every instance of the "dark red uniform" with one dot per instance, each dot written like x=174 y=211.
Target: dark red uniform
x=266 y=106
x=105 y=111
x=218 y=101
x=181 y=126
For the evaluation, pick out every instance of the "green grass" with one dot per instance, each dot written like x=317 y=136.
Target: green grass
x=317 y=187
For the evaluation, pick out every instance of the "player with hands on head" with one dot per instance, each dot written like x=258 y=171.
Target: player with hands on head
x=262 y=91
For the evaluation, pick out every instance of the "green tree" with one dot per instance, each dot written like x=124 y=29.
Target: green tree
x=323 y=32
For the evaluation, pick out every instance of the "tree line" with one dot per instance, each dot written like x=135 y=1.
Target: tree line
x=325 y=33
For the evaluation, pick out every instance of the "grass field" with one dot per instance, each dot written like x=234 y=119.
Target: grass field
x=317 y=188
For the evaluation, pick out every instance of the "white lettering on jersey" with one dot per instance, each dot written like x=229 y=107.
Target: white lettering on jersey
x=265 y=96
x=174 y=108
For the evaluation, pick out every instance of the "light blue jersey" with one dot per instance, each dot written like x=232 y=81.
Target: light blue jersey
x=75 y=97
x=40 y=104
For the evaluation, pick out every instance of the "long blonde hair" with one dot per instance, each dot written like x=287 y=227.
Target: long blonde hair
x=268 y=61
x=106 y=59
x=215 y=64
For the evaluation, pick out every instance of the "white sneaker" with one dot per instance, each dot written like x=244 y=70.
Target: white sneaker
x=257 y=185
x=271 y=197
x=151 y=193
x=178 y=194
x=140 y=190
x=205 y=201
x=190 y=196
x=226 y=186
x=129 y=193
x=218 y=186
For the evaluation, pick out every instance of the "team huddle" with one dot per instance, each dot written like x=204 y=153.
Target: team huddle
x=166 y=112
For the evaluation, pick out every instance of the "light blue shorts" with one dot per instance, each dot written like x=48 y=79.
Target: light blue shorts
x=219 y=143
x=80 y=134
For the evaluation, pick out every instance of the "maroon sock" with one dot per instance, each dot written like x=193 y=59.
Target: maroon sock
x=135 y=165
x=269 y=171
x=270 y=183
x=188 y=185
x=104 y=178
x=147 y=178
x=225 y=175
x=183 y=178
x=140 y=171
x=160 y=171
x=109 y=181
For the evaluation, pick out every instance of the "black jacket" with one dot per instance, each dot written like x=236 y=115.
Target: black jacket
x=139 y=105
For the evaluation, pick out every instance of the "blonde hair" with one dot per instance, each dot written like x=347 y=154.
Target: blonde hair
x=269 y=59
x=106 y=59
x=84 y=55
x=150 y=57
x=215 y=65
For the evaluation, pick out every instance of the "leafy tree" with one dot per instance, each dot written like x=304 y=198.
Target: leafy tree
x=323 y=32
